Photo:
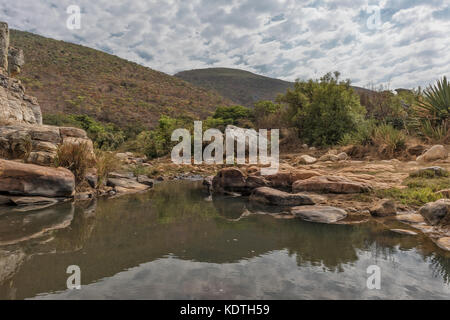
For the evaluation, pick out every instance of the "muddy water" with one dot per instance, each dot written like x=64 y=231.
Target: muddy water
x=174 y=243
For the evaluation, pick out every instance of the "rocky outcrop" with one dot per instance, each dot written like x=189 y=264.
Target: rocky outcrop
x=4 y=45
x=437 y=152
x=16 y=60
x=276 y=197
x=330 y=184
x=436 y=212
x=384 y=208
x=320 y=214
x=38 y=144
x=33 y=180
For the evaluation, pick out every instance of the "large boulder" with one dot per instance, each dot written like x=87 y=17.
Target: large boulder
x=229 y=180
x=330 y=184
x=384 y=208
x=435 y=212
x=276 y=197
x=437 y=152
x=32 y=180
x=320 y=214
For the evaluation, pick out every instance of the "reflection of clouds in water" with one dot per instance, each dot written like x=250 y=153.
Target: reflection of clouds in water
x=275 y=275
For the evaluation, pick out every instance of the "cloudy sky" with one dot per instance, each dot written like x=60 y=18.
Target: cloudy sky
x=405 y=45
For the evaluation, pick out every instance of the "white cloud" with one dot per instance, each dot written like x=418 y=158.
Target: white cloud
x=284 y=39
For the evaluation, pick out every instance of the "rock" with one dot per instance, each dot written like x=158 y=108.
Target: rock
x=330 y=184
x=305 y=146
x=435 y=212
x=92 y=178
x=72 y=132
x=445 y=193
x=160 y=179
x=276 y=197
x=125 y=175
x=430 y=172
x=329 y=157
x=126 y=184
x=405 y=232
x=303 y=175
x=253 y=182
x=305 y=159
x=16 y=60
x=416 y=150
x=5 y=200
x=33 y=180
x=229 y=179
x=33 y=201
x=121 y=156
x=342 y=156
x=412 y=218
x=282 y=179
x=384 y=208
x=320 y=214
x=4 y=45
x=41 y=158
x=444 y=243
x=145 y=180
x=436 y=152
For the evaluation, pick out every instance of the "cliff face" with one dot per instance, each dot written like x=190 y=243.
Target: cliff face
x=15 y=105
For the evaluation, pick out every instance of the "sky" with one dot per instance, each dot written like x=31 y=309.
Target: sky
x=389 y=43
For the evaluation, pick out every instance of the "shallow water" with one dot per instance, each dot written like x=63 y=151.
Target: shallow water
x=173 y=243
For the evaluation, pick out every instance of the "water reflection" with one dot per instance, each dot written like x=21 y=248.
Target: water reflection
x=171 y=243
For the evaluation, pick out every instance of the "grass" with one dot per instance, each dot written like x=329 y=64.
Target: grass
x=418 y=191
x=76 y=157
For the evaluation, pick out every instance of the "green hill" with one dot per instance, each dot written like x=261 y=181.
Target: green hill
x=241 y=86
x=73 y=79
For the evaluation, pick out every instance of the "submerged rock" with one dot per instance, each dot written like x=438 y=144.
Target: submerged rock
x=435 y=212
x=384 y=208
x=320 y=214
x=330 y=184
x=276 y=197
x=32 y=180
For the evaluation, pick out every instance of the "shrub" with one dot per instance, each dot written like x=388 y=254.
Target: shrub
x=389 y=138
x=76 y=157
x=106 y=162
x=324 y=110
x=362 y=136
x=234 y=115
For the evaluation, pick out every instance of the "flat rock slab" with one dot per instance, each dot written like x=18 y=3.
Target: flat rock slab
x=444 y=243
x=412 y=218
x=126 y=184
x=405 y=232
x=276 y=197
x=330 y=184
x=320 y=214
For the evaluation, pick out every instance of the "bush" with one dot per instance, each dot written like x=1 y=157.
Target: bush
x=106 y=162
x=324 y=110
x=76 y=157
x=234 y=115
x=389 y=138
x=362 y=136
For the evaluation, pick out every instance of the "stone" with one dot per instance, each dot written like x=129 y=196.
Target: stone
x=145 y=180
x=33 y=180
x=33 y=201
x=435 y=212
x=122 y=175
x=253 y=182
x=437 y=152
x=72 y=132
x=92 y=178
x=229 y=179
x=404 y=232
x=4 y=45
x=342 y=156
x=16 y=60
x=384 y=208
x=121 y=156
x=320 y=214
x=444 y=243
x=306 y=159
x=126 y=184
x=41 y=158
x=412 y=218
x=303 y=175
x=430 y=172
x=416 y=150
x=276 y=197
x=330 y=184
x=329 y=157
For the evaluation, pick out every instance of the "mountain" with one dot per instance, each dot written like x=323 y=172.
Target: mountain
x=69 y=78
x=241 y=86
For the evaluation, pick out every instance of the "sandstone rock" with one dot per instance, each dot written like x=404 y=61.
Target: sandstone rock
x=41 y=158
x=412 y=218
x=126 y=184
x=72 y=132
x=342 y=156
x=437 y=152
x=276 y=197
x=122 y=175
x=253 y=182
x=92 y=178
x=16 y=60
x=404 y=232
x=229 y=179
x=145 y=180
x=303 y=175
x=444 y=243
x=384 y=208
x=329 y=157
x=434 y=212
x=33 y=180
x=305 y=159
x=416 y=150
x=330 y=184
x=320 y=214
x=33 y=201
x=430 y=172
x=282 y=179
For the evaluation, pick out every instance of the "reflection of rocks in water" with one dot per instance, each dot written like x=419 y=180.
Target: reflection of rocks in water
x=9 y=263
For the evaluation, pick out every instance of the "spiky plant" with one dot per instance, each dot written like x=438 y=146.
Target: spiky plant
x=435 y=104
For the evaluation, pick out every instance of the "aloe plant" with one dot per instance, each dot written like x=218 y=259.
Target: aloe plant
x=436 y=101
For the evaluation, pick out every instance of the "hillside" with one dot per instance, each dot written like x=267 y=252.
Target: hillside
x=70 y=78
x=241 y=86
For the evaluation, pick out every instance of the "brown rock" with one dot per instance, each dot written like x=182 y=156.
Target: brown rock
x=276 y=197
x=330 y=184
x=320 y=214
x=435 y=212
x=229 y=179
x=33 y=180
x=444 y=243
x=437 y=152
x=384 y=208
